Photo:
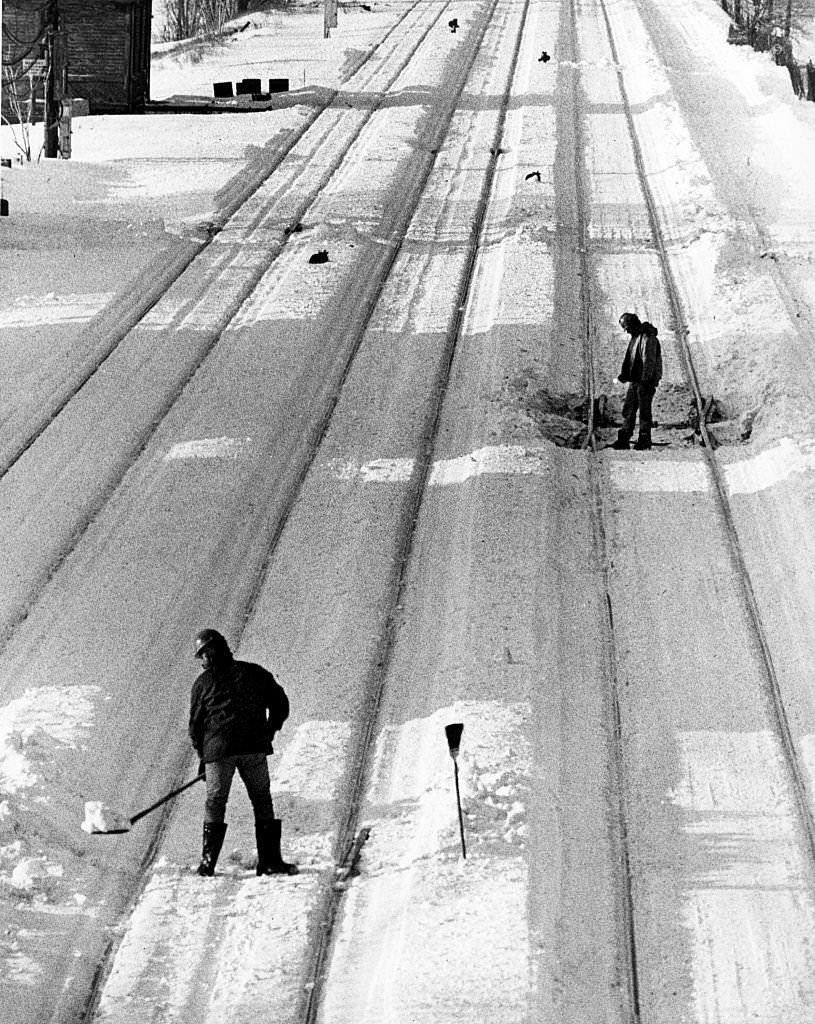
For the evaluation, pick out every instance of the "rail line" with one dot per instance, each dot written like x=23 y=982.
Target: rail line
x=382 y=658
x=775 y=701
x=619 y=816
x=793 y=757
x=349 y=837
x=91 y=504
x=157 y=282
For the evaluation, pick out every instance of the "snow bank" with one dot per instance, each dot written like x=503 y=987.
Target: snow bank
x=36 y=721
x=32 y=728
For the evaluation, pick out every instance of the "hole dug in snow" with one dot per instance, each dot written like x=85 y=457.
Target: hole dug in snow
x=533 y=410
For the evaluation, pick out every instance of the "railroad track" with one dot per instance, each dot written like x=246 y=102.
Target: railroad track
x=346 y=340
x=274 y=219
x=485 y=35
x=631 y=950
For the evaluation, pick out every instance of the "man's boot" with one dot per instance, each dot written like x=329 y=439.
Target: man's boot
x=643 y=442
x=270 y=861
x=214 y=833
x=621 y=444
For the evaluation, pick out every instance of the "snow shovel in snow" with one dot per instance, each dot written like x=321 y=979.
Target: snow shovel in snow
x=102 y=821
x=454 y=732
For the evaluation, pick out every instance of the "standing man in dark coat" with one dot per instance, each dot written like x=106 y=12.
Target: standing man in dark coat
x=642 y=371
x=235 y=710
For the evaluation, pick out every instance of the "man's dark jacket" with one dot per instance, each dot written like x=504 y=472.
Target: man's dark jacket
x=235 y=708
x=643 y=358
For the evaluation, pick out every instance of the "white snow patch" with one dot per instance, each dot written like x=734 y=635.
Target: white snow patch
x=230 y=945
x=53 y=309
x=633 y=473
x=312 y=762
x=210 y=448
x=771 y=466
x=756 y=473
x=99 y=818
x=375 y=471
x=217 y=944
x=167 y=177
x=407 y=913
x=32 y=872
x=22 y=970
x=168 y=931
x=58 y=712
x=746 y=890
x=515 y=460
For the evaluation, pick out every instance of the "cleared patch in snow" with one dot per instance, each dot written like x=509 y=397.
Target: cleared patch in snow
x=232 y=945
x=210 y=448
x=53 y=309
x=226 y=946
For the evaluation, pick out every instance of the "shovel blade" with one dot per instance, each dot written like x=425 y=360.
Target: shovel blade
x=103 y=821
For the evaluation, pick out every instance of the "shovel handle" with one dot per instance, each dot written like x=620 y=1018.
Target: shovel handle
x=168 y=796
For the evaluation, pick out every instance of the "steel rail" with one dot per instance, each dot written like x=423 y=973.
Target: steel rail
x=382 y=656
x=349 y=839
x=627 y=939
x=257 y=572
x=792 y=756
x=151 y=286
x=98 y=501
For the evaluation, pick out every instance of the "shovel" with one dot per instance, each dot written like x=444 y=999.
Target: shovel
x=102 y=821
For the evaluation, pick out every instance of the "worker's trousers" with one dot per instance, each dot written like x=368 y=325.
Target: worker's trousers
x=254 y=772
x=638 y=399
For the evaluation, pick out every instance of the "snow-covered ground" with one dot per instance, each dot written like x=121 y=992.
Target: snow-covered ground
x=85 y=232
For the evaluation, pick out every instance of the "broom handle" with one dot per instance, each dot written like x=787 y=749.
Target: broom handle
x=164 y=799
x=460 y=818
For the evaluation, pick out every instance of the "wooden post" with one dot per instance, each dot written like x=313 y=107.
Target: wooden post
x=52 y=84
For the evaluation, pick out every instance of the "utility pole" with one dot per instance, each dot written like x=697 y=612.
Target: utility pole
x=53 y=83
x=329 y=17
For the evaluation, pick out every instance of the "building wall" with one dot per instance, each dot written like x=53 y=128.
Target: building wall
x=106 y=45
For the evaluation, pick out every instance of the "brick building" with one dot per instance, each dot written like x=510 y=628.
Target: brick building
x=101 y=47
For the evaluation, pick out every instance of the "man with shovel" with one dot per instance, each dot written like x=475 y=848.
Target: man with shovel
x=235 y=710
